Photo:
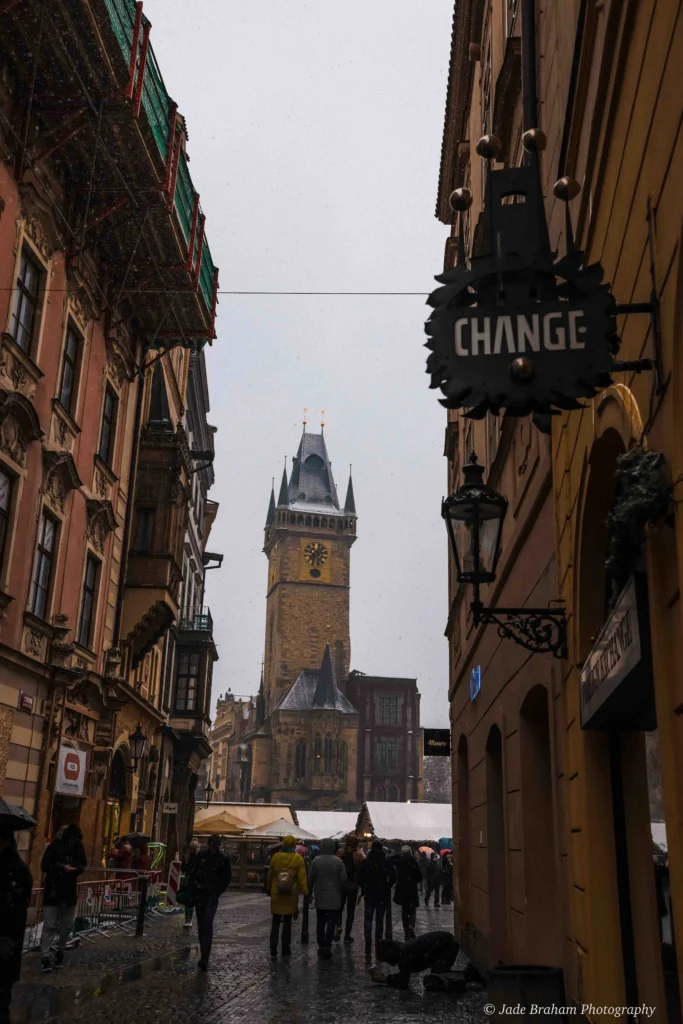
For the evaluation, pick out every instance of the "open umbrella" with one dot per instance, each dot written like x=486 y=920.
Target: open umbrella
x=16 y=817
x=426 y=849
x=302 y=850
x=446 y=842
x=445 y=850
x=137 y=838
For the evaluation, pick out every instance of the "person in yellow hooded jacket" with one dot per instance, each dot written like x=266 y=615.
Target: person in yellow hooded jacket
x=285 y=882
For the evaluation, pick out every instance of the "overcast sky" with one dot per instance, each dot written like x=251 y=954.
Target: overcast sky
x=315 y=135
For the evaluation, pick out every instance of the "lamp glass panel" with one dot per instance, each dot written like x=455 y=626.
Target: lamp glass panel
x=489 y=530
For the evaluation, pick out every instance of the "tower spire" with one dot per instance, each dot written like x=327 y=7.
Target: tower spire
x=271 y=505
x=350 y=503
x=283 y=498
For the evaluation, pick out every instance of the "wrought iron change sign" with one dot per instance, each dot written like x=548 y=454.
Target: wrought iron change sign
x=513 y=328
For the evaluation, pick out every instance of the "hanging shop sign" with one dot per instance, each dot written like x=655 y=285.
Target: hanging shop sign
x=616 y=685
x=512 y=327
x=71 y=765
x=169 y=808
x=437 y=743
x=475 y=682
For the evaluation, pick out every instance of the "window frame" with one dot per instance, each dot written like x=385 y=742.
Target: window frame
x=89 y=594
x=383 y=763
x=110 y=419
x=300 y=761
x=40 y=556
x=22 y=294
x=382 y=699
x=181 y=705
x=139 y=512
x=75 y=364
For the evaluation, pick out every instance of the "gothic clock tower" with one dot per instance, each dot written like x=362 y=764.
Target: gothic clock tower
x=308 y=538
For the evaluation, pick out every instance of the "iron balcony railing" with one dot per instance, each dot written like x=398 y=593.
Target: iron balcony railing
x=200 y=622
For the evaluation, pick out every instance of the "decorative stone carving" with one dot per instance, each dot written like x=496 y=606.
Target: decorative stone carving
x=59 y=478
x=39 y=222
x=101 y=521
x=34 y=640
x=60 y=648
x=63 y=429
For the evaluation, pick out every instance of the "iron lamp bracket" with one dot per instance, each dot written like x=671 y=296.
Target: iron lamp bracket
x=539 y=630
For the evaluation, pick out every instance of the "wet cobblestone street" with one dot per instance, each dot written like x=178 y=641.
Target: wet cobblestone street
x=244 y=983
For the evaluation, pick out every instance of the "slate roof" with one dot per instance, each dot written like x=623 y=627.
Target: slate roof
x=311 y=482
x=316 y=689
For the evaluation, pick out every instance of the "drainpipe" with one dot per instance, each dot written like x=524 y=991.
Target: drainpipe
x=529 y=93
x=135 y=451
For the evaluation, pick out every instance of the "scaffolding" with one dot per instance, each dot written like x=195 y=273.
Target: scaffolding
x=92 y=108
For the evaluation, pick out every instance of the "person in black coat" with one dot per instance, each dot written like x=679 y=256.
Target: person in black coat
x=208 y=877
x=63 y=861
x=376 y=876
x=446 y=879
x=16 y=884
x=433 y=879
x=406 y=893
x=437 y=950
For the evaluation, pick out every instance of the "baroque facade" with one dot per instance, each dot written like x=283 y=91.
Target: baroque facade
x=567 y=819
x=311 y=737
x=106 y=291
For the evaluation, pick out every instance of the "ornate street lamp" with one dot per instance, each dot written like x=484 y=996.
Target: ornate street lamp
x=208 y=792
x=137 y=743
x=474 y=516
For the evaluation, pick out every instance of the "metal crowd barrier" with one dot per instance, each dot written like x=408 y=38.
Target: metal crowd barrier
x=123 y=900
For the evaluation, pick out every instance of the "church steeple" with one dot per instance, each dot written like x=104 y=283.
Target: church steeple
x=311 y=485
x=326 y=687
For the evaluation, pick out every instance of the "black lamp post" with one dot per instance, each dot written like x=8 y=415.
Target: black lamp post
x=474 y=516
x=137 y=743
x=208 y=792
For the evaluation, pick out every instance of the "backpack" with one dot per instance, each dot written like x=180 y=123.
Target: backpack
x=284 y=882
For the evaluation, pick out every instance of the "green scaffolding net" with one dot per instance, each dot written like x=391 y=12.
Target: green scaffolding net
x=156 y=104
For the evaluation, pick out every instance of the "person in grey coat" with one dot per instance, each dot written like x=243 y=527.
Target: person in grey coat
x=326 y=876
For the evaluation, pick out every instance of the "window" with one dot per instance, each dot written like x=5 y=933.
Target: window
x=317 y=755
x=25 y=302
x=328 y=755
x=144 y=530
x=108 y=431
x=392 y=794
x=187 y=682
x=89 y=601
x=70 y=363
x=300 y=761
x=387 y=708
x=42 y=565
x=386 y=755
x=380 y=793
x=5 y=500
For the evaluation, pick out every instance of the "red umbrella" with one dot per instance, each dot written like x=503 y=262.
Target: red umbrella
x=445 y=851
x=302 y=850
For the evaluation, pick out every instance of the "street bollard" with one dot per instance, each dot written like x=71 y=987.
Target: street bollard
x=140 y=925
x=304 y=921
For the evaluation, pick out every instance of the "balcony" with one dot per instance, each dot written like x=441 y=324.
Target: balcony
x=200 y=622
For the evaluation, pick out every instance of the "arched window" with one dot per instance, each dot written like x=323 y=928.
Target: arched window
x=340 y=525
x=380 y=793
x=300 y=521
x=300 y=760
x=328 y=755
x=117 y=778
x=316 y=521
x=342 y=760
x=308 y=520
x=392 y=794
x=318 y=755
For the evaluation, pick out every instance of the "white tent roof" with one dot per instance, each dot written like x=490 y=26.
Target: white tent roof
x=328 y=824
x=411 y=822
x=279 y=829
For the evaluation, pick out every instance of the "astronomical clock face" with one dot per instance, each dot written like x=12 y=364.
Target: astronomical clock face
x=315 y=560
x=315 y=554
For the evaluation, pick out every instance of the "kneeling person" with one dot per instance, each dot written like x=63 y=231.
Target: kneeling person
x=435 y=950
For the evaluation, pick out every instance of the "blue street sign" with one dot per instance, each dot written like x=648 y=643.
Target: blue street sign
x=475 y=682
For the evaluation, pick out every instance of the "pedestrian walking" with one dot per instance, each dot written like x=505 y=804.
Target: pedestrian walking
x=16 y=884
x=435 y=950
x=422 y=861
x=325 y=880
x=376 y=875
x=406 y=894
x=208 y=878
x=120 y=856
x=285 y=882
x=63 y=861
x=185 y=868
x=433 y=880
x=353 y=858
x=142 y=858
x=446 y=879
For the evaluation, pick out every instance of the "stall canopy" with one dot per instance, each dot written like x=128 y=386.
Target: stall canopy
x=410 y=823
x=221 y=825
x=328 y=824
x=252 y=814
x=279 y=829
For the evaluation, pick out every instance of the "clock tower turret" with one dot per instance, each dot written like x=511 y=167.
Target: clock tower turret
x=308 y=538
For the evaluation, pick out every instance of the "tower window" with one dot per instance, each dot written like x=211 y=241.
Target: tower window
x=386 y=755
x=380 y=793
x=328 y=755
x=300 y=761
x=387 y=710
x=392 y=794
x=318 y=755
